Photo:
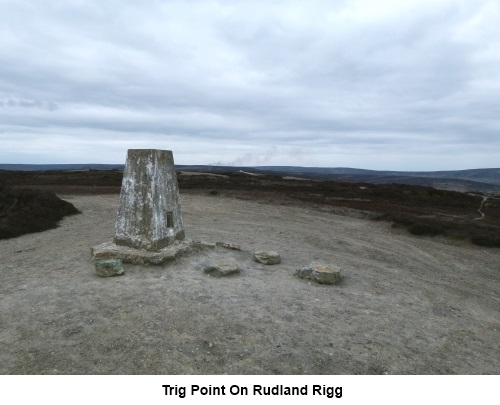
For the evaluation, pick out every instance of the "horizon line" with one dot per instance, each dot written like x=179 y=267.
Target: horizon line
x=253 y=166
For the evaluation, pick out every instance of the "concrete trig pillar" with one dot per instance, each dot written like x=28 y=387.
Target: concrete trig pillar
x=149 y=216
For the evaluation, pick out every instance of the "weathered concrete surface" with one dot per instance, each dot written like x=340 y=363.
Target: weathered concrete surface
x=267 y=257
x=149 y=216
x=320 y=273
x=110 y=250
x=109 y=267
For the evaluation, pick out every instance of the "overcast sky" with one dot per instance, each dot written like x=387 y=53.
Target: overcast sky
x=401 y=85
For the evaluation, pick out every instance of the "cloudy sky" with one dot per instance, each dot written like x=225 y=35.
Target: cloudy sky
x=388 y=84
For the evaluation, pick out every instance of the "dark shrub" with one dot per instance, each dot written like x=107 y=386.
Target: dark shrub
x=26 y=211
x=421 y=228
x=457 y=233
x=399 y=219
x=486 y=240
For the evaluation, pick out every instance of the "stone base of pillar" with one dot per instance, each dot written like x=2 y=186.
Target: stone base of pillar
x=110 y=250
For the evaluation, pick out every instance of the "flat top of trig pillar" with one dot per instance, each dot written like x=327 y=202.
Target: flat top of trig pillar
x=148 y=150
x=155 y=154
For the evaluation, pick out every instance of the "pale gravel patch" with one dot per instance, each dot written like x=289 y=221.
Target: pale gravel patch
x=405 y=304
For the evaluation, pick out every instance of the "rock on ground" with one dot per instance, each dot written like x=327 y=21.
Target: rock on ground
x=109 y=268
x=267 y=257
x=221 y=269
x=320 y=272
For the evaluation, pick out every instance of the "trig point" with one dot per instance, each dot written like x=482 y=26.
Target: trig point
x=149 y=227
x=149 y=216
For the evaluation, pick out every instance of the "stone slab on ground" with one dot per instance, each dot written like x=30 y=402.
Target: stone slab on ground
x=109 y=267
x=267 y=257
x=201 y=245
x=232 y=246
x=320 y=272
x=222 y=268
x=110 y=250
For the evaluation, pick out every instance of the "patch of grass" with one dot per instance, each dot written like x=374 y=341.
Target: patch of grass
x=25 y=211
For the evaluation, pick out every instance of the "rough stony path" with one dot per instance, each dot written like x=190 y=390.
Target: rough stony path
x=480 y=209
x=405 y=305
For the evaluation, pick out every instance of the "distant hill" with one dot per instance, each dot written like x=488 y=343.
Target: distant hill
x=490 y=176
x=473 y=180
x=478 y=180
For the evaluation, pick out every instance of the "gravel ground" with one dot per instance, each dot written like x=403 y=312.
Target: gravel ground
x=406 y=305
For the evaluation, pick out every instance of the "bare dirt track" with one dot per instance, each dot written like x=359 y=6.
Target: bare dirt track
x=406 y=305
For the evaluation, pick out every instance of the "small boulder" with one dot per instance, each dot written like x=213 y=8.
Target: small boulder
x=109 y=267
x=267 y=257
x=320 y=273
x=221 y=269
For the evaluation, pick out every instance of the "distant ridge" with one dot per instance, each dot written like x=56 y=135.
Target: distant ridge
x=472 y=180
x=479 y=180
x=490 y=175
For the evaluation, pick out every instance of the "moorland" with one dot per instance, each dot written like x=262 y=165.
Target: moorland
x=422 y=210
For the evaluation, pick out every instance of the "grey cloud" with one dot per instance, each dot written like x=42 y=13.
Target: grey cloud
x=233 y=80
x=29 y=103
